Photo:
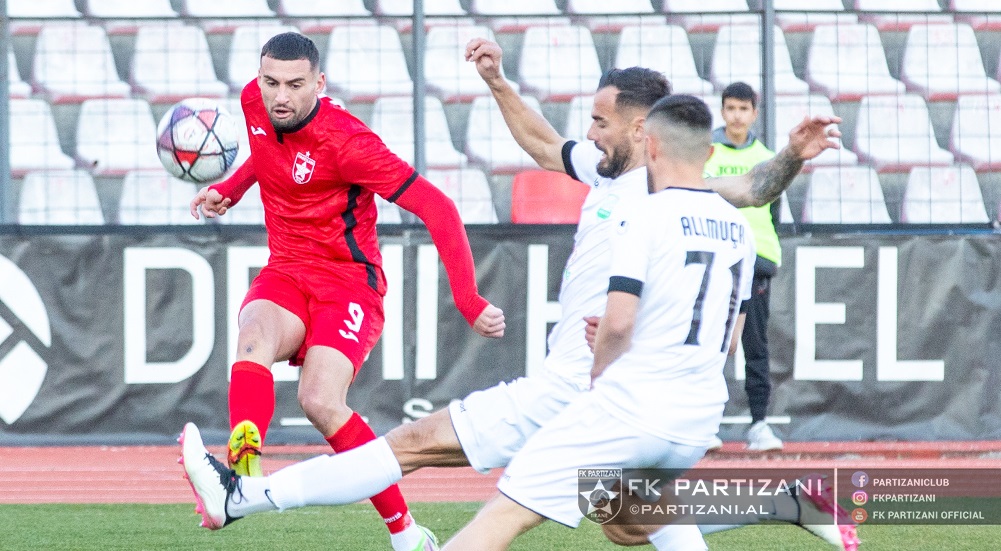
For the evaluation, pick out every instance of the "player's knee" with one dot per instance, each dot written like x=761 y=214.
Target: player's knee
x=325 y=414
x=627 y=535
x=257 y=338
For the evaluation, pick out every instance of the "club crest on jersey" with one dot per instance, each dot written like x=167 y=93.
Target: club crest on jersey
x=302 y=168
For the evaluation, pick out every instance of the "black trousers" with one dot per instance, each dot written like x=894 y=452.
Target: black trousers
x=755 y=340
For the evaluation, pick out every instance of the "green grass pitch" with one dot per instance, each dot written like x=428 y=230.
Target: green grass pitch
x=357 y=527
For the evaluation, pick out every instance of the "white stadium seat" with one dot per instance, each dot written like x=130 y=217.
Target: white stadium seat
x=488 y=140
x=579 y=118
x=663 y=48
x=844 y=195
x=699 y=16
x=127 y=9
x=156 y=198
x=785 y=211
x=715 y=103
x=604 y=16
x=737 y=57
x=897 y=18
x=943 y=61
x=975 y=137
x=469 y=189
x=533 y=9
x=847 y=62
x=74 y=62
x=172 y=62
x=245 y=52
x=321 y=16
x=213 y=14
x=16 y=86
x=789 y=16
x=393 y=120
x=398 y=13
x=32 y=14
x=982 y=15
x=59 y=197
x=558 y=63
x=894 y=133
x=366 y=62
x=790 y=110
x=943 y=195
x=35 y=144
x=449 y=75
x=114 y=136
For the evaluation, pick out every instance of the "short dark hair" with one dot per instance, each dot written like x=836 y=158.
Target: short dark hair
x=684 y=110
x=741 y=91
x=638 y=86
x=292 y=46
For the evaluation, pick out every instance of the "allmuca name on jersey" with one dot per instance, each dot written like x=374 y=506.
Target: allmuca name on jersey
x=723 y=230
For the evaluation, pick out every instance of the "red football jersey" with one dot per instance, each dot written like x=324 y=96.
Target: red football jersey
x=317 y=185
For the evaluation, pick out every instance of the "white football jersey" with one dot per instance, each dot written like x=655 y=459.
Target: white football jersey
x=689 y=256
x=585 y=278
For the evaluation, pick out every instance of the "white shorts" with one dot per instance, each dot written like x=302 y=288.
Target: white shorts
x=543 y=476
x=493 y=424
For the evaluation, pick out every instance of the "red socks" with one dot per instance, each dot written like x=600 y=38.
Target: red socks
x=252 y=395
x=390 y=502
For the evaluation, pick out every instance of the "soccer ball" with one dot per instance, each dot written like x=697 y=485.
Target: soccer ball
x=197 y=140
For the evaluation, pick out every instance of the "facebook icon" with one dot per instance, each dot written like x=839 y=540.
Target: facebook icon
x=860 y=479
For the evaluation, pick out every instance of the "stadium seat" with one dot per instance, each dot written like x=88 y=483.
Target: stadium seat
x=469 y=189
x=366 y=62
x=245 y=52
x=546 y=197
x=790 y=17
x=664 y=48
x=847 y=62
x=321 y=16
x=16 y=87
x=154 y=197
x=74 y=62
x=114 y=136
x=943 y=195
x=844 y=195
x=558 y=63
x=715 y=103
x=127 y=9
x=894 y=133
x=943 y=61
x=976 y=132
x=398 y=13
x=785 y=211
x=737 y=57
x=172 y=62
x=579 y=118
x=214 y=14
x=601 y=16
x=898 y=18
x=393 y=120
x=59 y=197
x=982 y=15
x=28 y=16
x=249 y=211
x=488 y=140
x=503 y=15
x=707 y=15
x=36 y=145
x=790 y=110
x=449 y=75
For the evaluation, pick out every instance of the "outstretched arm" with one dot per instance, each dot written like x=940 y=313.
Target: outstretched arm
x=216 y=199
x=530 y=129
x=766 y=181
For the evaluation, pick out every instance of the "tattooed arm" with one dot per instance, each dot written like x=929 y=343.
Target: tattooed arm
x=766 y=181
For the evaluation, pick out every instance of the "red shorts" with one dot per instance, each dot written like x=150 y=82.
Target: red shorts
x=338 y=311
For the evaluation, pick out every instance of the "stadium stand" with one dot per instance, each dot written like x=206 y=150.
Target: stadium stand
x=33 y=13
x=943 y=195
x=844 y=195
x=469 y=189
x=126 y=9
x=321 y=16
x=156 y=198
x=114 y=136
x=173 y=62
x=490 y=143
x=545 y=197
x=894 y=133
x=900 y=15
x=691 y=14
x=601 y=16
x=975 y=137
x=737 y=57
x=578 y=118
x=59 y=197
x=449 y=75
x=38 y=149
x=982 y=15
x=441 y=13
x=506 y=16
x=558 y=63
x=847 y=62
x=790 y=110
x=207 y=12
x=664 y=48
x=16 y=86
x=244 y=58
x=365 y=62
x=790 y=17
x=943 y=61
x=73 y=63
x=393 y=120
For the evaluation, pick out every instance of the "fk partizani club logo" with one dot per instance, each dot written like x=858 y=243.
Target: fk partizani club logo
x=302 y=168
x=24 y=327
x=598 y=493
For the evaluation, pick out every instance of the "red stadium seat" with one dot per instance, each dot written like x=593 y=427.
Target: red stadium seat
x=545 y=197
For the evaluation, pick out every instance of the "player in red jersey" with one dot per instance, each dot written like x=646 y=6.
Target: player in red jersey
x=318 y=302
